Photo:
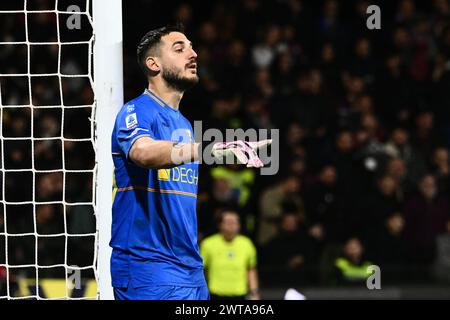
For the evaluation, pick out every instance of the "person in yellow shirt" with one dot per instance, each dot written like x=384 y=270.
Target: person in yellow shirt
x=351 y=268
x=229 y=259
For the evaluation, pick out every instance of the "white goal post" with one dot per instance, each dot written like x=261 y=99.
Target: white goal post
x=108 y=84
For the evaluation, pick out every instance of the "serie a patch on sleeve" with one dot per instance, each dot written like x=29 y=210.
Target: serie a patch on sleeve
x=131 y=120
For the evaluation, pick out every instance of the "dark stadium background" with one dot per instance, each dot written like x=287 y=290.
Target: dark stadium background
x=364 y=119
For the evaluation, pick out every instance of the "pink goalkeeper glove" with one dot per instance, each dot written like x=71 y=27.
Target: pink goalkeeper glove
x=244 y=151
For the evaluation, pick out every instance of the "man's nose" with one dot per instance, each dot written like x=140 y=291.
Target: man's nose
x=192 y=54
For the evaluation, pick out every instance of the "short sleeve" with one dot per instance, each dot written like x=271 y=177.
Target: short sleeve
x=252 y=260
x=133 y=122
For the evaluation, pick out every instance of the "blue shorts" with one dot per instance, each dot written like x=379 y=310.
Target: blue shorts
x=162 y=293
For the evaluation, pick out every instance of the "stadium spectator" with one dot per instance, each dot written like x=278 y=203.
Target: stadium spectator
x=273 y=202
x=373 y=210
x=291 y=252
x=442 y=262
x=426 y=215
x=425 y=136
x=389 y=249
x=441 y=169
x=396 y=169
x=323 y=207
x=351 y=268
x=399 y=146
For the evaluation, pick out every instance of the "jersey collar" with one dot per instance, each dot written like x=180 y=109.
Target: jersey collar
x=159 y=100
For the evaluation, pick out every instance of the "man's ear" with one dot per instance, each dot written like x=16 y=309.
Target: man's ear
x=152 y=64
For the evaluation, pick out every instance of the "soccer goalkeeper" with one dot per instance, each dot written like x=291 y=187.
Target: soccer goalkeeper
x=154 y=225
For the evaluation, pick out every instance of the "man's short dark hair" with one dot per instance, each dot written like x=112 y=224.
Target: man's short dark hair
x=150 y=41
x=220 y=214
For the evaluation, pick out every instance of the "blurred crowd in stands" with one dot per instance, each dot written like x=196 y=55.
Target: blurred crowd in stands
x=364 y=120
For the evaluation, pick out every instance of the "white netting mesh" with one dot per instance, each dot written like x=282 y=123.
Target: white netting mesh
x=48 y=163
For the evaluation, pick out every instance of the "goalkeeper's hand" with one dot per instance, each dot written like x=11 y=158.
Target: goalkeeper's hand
x=244 y=151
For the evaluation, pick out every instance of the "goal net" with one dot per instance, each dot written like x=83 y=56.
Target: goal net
x=49 y=235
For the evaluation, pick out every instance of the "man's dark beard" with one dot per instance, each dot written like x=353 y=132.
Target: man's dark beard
x=176 y=82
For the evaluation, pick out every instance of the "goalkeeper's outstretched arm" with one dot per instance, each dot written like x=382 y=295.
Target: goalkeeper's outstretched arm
x=162 y=154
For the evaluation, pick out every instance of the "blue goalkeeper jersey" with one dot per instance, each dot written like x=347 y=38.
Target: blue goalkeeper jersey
x=154 y=222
